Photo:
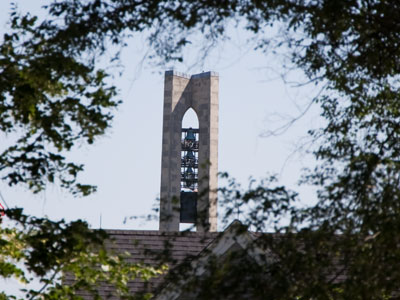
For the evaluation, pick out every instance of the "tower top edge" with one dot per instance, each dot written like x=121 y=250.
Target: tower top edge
x=188 y=76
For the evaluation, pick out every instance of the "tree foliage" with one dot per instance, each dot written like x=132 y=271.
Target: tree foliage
x=63 y=258
x=50 y=98
x=344 y=247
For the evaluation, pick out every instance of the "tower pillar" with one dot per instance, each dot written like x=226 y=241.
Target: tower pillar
x=181 y=92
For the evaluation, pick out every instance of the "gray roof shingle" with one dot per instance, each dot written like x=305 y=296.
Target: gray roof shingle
x=150 y=247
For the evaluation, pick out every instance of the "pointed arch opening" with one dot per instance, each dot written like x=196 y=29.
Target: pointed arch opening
x=190 y=119
x=189 y=166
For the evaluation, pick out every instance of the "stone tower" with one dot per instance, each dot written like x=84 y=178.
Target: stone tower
x=189 y=155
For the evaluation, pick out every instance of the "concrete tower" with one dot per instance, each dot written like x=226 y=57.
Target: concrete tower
x=189 y=155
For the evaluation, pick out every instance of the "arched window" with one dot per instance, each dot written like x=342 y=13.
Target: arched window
x=189 y=151
x=189 y=166
x=190 y=119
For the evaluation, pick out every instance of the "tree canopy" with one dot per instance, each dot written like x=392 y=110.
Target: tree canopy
x=53 y=94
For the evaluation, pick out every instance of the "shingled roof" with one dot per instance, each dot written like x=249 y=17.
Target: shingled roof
x=145 y=246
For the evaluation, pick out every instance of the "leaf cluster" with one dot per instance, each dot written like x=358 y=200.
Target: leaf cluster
x=50 y=100
x=65 y=258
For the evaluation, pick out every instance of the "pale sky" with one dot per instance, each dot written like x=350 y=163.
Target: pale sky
x=126 y=163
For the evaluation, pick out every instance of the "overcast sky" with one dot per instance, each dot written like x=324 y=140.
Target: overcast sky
x=125 y=164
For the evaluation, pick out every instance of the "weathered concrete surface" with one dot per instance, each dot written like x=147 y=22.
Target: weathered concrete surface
x=181 y=92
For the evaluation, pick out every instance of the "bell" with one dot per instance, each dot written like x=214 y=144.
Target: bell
x=189 y=184
x=190 y=155
x=189 y=176
x=190 y=135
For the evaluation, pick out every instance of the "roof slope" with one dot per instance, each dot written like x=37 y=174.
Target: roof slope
x=149 y=247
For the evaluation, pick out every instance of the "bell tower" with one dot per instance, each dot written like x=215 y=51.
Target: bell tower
x=189 y=163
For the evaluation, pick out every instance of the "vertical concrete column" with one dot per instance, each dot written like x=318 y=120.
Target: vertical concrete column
x=205 y=103
x=182 y=92
x=176 y=89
